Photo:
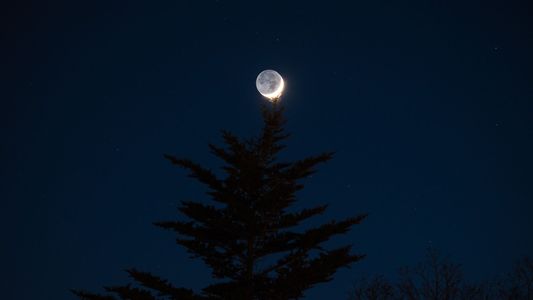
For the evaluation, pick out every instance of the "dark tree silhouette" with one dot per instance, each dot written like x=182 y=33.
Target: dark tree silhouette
x=518 y=284
x=247 y=236
x=435 y=278
x=477 y=291
x=373 y=288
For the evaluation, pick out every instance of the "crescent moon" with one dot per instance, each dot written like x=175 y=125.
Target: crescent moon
x=270 y=84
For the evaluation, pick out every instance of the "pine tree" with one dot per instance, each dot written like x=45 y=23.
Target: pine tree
x=245 y=234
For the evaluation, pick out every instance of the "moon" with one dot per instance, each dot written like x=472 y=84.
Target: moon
x=270 y=84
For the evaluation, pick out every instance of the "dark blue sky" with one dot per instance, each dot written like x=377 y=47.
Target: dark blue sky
x=428 y=104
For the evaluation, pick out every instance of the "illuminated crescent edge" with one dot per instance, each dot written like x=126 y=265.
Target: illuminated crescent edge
x=277 y=93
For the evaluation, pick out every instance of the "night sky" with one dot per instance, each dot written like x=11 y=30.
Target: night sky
x=428 y=105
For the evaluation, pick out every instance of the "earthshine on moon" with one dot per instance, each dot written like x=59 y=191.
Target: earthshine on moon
x=270 y=84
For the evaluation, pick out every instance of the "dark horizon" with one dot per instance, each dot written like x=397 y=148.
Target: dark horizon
x=428 y=107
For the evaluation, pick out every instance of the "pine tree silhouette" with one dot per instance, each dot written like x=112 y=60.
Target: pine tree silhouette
x=248 y=223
